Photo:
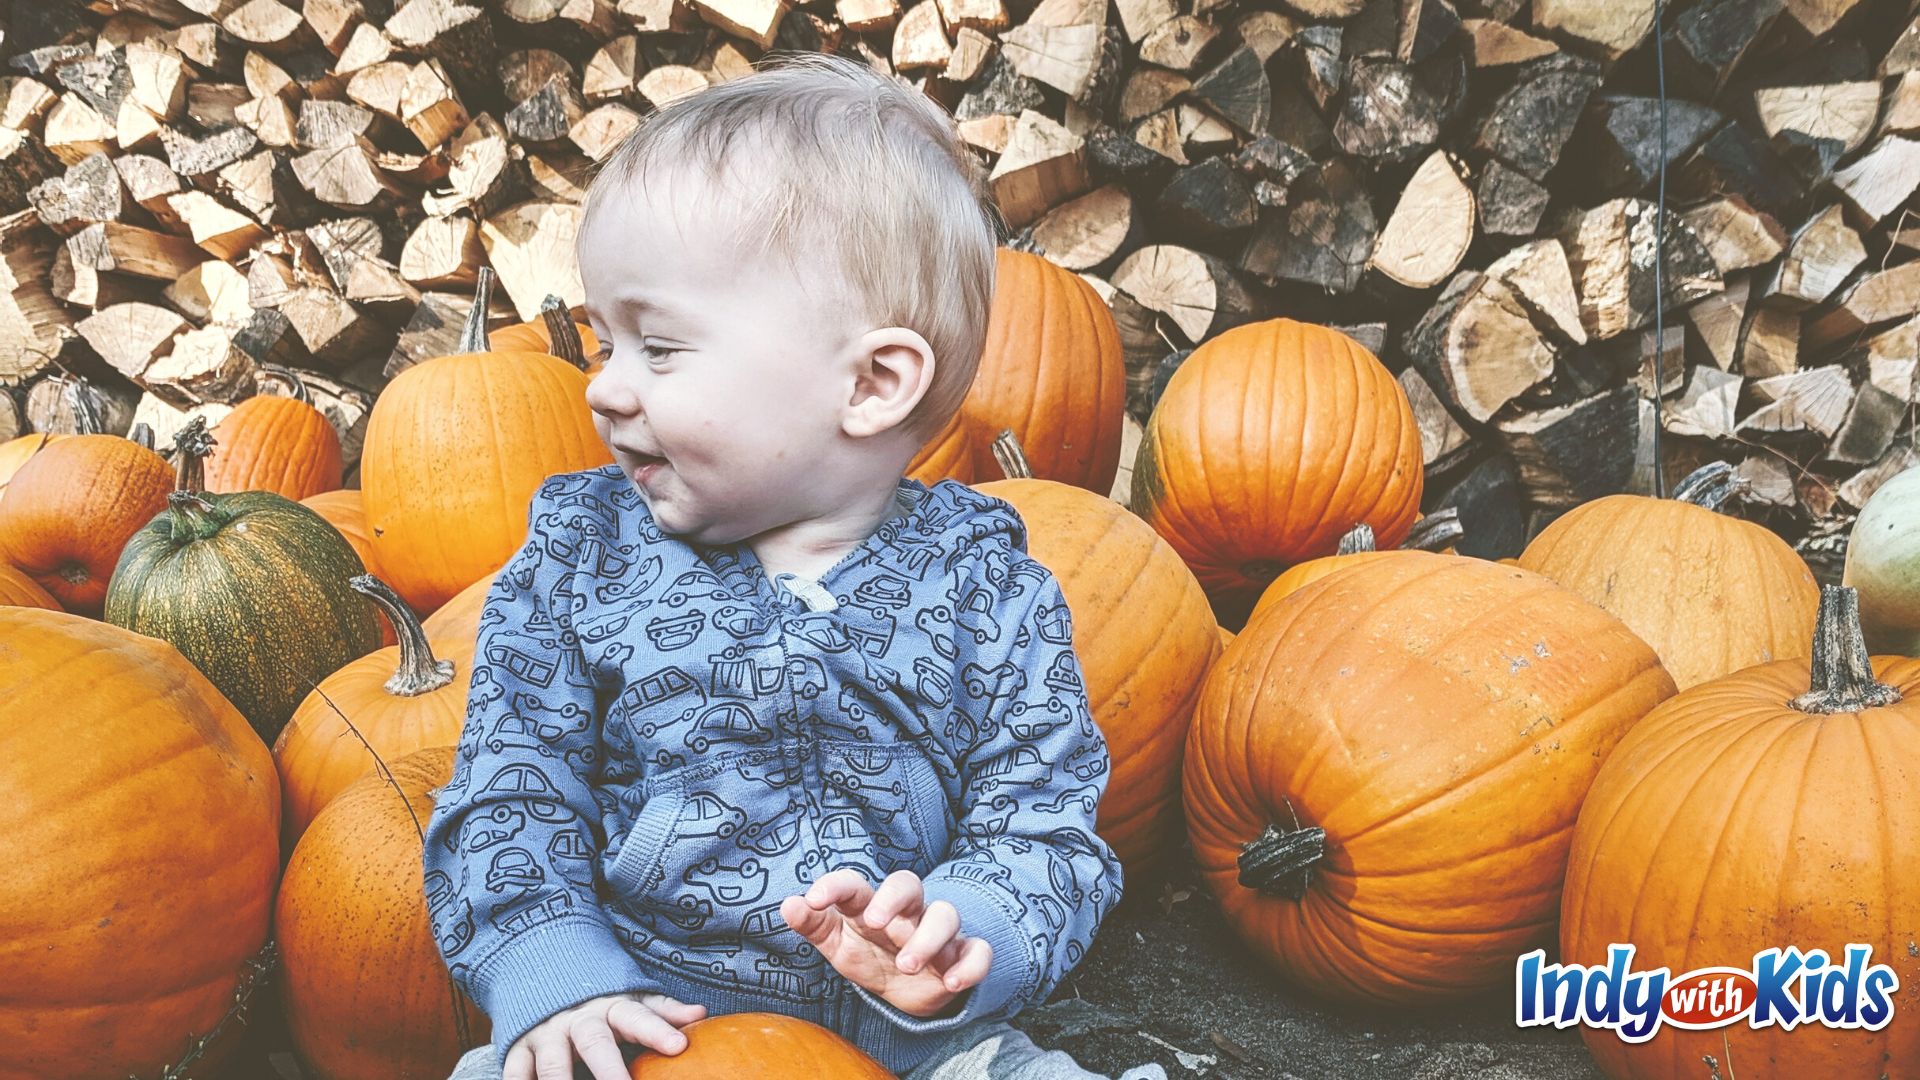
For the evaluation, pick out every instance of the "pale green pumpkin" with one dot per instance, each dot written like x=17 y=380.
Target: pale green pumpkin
x=1883 y=565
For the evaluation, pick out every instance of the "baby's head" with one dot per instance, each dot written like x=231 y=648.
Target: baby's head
x=793 y=273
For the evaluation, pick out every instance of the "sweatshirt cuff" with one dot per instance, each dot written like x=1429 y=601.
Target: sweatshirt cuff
x=547 y=968
x=986 y=914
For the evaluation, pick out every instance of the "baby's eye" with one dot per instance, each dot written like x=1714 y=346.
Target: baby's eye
x=654 y=352
x=600 y=355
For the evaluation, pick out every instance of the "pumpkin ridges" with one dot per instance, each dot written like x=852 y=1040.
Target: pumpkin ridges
x=73 y=506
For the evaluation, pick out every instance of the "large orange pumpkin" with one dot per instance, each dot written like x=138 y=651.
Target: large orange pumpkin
x=456 y=447
x=273 y=443
x=140 y=840
x=19 y=590
x=1712 y=594
x=459 y=618
x=1052 y=371
x=15 y=452
x=1270 y=443
x=1145 y=637
x=365 y=991
x=1384 y=769
x=71 y=509
x=1749 y=813
x=762 y=1045
x=398 y=699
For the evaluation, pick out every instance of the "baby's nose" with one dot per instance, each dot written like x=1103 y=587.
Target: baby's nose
x=610 y=395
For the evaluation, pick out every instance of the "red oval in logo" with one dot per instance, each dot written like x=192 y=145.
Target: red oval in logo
x=1709 y=998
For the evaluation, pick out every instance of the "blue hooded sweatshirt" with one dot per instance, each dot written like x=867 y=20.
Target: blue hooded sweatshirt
x=661 y=744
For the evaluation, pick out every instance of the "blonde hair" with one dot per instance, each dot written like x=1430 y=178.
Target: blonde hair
x=854 y=166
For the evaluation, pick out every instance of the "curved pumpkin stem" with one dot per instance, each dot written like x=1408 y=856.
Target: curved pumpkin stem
x=562 y=335
x=1281 y=863
x=1011 y=458
x=418 y=673
x=293 y=382
x=1842 y=679
x=473 y=338
x=1709 y=486
x=193 y=517
x=190 y=448
x=1435 y=532
x=84 y=401
x=1359 y=538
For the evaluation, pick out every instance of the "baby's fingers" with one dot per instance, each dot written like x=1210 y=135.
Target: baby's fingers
x=637 y=1023
x=939 y=924
x=976 y=957
x=678 y=1013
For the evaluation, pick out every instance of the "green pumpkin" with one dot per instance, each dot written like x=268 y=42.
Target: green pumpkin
x=253 y=589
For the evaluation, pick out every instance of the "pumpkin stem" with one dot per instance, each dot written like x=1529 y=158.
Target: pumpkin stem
x=1710 y=485
x=190 y=448
x=1359 y=538
x=473 y=339
x=418 y=672
x=84 y=401
x=193 y=517
x=293 y=382
x=1012 y=459
x=1435 y=532
x=142 y=435
x=563 y=336
x=1281 y=863
x=1842 y=679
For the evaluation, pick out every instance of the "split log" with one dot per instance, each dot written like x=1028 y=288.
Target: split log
x=83 y=286
x=1869 y=428
x=1206 y=201
x=88 y=193
x=1530 y=124
x=1324 y=238
x=1443 y=442
x=434 y=330
x=1511 y=202
x=1608 y=30
x=1088 y=231
x=213 y=292
x=54 y=404
x=1707 y=407
x=1814 y=400
x=1496 y=44
x=332 y=331
x=1575 y=453
x=458 y=35
x=1610 y=249
x=1707 y=41
x=1478 y=346
x=1714 y=326
x=1199 y=292
x=1430 y=229
x=219 y=230
x=531 y=248
x=1394 y=112
x=1736 y=235
x=1882 y=178
x=1618 y=141
x=203 y=366
x=1770 y=344
x=131 y=336
x=1823 y=253
x=1044 y=165
x=130 y=249
x=1875 y=300
x=1816 y=126
x=1735 y=161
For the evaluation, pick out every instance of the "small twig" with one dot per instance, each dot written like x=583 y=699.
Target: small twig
x=258 y=966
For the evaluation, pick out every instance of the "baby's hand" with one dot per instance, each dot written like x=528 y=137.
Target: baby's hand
x=547 y=1050
x=908 y=953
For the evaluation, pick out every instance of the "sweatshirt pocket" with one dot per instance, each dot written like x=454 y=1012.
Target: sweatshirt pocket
x=633 y=871
x=884 y=807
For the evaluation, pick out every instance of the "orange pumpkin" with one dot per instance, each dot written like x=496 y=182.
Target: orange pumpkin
x=1051 y=372
x=459 y=618
x=278 y=444
x=554 y=333
x=1712 y=594
x=19 y=590
x=1356 y=549
x=398 y=699
x=140 y=836
x=1272 y=441
x=344 y=510
x=71 y=509
x=15 y=452
x=761 y=1045
x=1748 y=813
x=946 y=456
x=1145 y=637
x=1226 y=637
x=364 y=989
x=455 y=449
x=1384 y=769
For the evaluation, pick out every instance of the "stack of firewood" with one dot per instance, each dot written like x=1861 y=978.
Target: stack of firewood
x=192 y=188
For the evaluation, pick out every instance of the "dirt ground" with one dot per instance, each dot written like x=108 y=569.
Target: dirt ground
x=1176 y=987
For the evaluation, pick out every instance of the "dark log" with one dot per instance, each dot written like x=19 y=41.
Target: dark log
x=1735 y=161
x=1529 y=124
x=1706 y=42
x=1578 y=452
x=433 y=331
x=1323 y=237
x=1510 y=202
x=1618 y=142
x=458 y=35
x=1868 y=431
x=1488 y=498
x=1206 y=201
x=1393 y=112
x=1238 y=91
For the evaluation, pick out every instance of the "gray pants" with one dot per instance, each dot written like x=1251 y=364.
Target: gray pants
x=988 y=1050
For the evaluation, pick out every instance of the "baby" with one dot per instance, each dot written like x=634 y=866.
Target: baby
x=755 y=723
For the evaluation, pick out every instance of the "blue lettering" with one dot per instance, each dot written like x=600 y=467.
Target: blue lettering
x=1642 y=1000
x=1878 y=987
x=1526 y=981
x=1773 y=974
x=1810 y=985
x=1560 y=978
x=1602 y=996
x=1840 y=995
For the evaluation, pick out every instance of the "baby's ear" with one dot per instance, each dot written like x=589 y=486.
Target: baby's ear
x=893 y=371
